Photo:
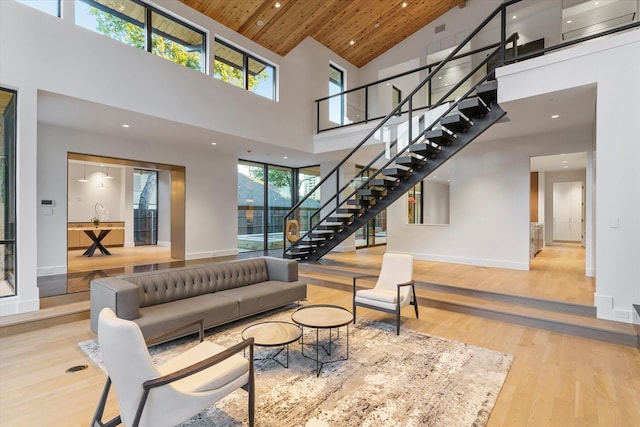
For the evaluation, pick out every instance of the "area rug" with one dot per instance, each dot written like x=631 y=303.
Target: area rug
x=409 y=380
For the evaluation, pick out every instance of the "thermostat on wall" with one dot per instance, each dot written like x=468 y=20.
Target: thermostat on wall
x=47 y=202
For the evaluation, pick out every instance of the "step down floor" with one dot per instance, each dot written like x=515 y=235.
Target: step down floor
x=556 y=316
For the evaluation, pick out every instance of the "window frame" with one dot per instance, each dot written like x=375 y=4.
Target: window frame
x=148 y=27
x=10 y=183
x=246 y=56
x=34 y=5
x=343 y=88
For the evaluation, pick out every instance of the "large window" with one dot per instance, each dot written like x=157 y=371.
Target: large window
x=7 y=192
x=52 y=7
x=141 y=26
x=336 y=85
x=265 y=194
x=251 y=204
x=239 y=68
x=145 y=207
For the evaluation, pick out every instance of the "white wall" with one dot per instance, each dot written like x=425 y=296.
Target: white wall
x=617 y=201
x=210 y=196
x=42 y=52
x=436 y=202
x=83 y=196
x=489 y=204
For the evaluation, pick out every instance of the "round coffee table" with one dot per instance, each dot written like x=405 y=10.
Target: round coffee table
x=273 y=334
x=323 y=316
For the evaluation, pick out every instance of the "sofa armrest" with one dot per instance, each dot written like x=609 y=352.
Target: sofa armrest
x=284 y=270
x=117 y=294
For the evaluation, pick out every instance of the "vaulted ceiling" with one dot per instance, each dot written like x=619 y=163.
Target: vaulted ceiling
x=357 y=30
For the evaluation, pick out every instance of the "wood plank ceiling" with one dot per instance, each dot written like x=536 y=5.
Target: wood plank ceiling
x=357 y=30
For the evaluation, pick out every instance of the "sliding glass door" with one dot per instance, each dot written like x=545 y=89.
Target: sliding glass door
x=7 y=193
x=265 y=195
x=251 y=203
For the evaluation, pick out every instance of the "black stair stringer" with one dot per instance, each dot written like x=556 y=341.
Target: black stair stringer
x=480 y=124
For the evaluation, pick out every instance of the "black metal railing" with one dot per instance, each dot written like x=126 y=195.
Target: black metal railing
x=360 y=102
x=411 y=113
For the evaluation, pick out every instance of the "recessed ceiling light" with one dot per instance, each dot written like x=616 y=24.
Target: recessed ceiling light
x=376 y=25
x=125 y=125
x=404 y=4
x=277 y=5
x=566 y=167
x=352 y=42
x=555 y=116
x=564 y=162
x=260 y=23
x=285 y=157
x=514 y=17
x=214 y=143
x=569 y=21
x=597 y=3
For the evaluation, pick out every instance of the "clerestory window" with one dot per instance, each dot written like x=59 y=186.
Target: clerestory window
x=52 y=7
x=241 y=69
x=139 y=25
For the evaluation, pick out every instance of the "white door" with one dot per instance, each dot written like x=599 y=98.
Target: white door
x=567 y=211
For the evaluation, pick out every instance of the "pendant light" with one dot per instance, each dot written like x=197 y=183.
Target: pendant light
x=84 y=173
x=107 y=176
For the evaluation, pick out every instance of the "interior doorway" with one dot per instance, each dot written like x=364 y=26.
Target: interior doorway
x=109 y=184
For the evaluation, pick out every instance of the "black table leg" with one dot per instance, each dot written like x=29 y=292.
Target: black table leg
x=96 y=242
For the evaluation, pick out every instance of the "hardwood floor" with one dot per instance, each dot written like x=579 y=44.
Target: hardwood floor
x=555 y=380
x=557 y=273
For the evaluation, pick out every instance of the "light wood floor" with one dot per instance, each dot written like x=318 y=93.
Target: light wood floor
x=557 y=273
x=120 y=257
x=555 y=380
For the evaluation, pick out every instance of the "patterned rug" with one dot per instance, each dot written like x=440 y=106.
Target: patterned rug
x=409 y=380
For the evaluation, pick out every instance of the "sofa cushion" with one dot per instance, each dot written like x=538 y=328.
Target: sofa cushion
x=162 y=286
x=264 y=296
x=212 y=308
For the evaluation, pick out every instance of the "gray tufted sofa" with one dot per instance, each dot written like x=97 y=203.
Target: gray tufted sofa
x=161 y=300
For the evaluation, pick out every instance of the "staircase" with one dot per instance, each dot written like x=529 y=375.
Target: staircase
x=463 y=122
x=419 y=148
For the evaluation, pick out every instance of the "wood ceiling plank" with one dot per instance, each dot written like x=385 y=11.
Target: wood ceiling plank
x=331 y=22
x=268 y=14
x=289 y=29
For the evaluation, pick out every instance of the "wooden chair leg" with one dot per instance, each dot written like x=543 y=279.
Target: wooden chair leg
x=97 y=417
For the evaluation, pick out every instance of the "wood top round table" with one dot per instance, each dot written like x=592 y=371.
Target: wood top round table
x=273 y=334
x=323 y=316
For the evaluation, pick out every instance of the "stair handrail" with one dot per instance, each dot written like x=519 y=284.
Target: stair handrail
x=386 y=79
x=409 y=99
x=443 y=99
x=512 y=39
